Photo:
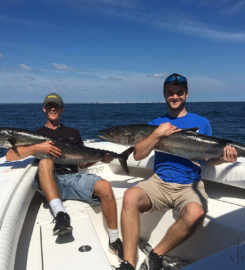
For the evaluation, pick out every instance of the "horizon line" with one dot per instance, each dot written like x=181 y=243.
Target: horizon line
x=129 y=102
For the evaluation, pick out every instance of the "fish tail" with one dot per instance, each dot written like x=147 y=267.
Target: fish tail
x=12 y=141
x=123 y=159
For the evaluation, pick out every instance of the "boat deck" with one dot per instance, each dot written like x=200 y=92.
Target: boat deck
x=223 y=227
x=224 y=224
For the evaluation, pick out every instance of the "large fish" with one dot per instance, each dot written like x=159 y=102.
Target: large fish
x=13 y=137
x=72 y=154
x=186 y=143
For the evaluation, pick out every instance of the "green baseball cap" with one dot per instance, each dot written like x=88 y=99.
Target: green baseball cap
x=53 y=97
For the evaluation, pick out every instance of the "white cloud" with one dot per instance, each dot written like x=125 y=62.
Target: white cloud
x=25 y=67
x=213 y=33
x=131 y=87
x=1 y=55
x=133 y=10
x=158 y=75
x=63 y=67
x=181 y=23
x=235 y=7
x=202 y=80
x=193 y=27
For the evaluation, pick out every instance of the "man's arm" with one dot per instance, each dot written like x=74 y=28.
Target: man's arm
x=24 y=151
x=143 y=148
x=230 y=155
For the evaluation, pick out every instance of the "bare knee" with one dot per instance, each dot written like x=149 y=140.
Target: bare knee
x=130 y=198
x=102 y=189
x=193 y=213
x=136 y=198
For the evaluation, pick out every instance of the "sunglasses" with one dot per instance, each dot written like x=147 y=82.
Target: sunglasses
x=178 y=93
x=176 y=79
x=52 y=105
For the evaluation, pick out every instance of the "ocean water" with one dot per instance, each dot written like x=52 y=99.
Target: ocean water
x=227 y=118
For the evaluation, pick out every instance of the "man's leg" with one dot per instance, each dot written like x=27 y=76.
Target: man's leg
x=49 y=188
x=190 y=217
x=46 y=179
x=103 y=190
x=135 y=201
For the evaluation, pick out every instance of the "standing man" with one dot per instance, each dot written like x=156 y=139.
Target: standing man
x=175 y=184
x=63 y=182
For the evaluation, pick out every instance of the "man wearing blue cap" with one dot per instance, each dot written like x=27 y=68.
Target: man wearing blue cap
x=176 y=182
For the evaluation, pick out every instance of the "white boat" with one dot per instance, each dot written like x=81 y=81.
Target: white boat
x=27 y=242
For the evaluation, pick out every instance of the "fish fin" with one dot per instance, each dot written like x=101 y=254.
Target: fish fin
x=195 y=129
x=196 y=163
x=124 y=157
x=12 y=141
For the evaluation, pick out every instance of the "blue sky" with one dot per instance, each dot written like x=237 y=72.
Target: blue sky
x=121 y=51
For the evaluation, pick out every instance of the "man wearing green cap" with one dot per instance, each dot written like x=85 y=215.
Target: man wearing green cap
x=63 y=182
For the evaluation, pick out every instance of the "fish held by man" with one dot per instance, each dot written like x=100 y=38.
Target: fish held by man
x=186 y=143
x=13 y=137
x=71 y=154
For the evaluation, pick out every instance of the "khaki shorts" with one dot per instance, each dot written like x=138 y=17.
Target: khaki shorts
x=165 y=195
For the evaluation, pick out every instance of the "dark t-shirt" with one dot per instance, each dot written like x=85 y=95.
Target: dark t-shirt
x=62 y=132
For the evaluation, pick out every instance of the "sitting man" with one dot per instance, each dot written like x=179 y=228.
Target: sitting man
x=176 y=182
x=63 y=182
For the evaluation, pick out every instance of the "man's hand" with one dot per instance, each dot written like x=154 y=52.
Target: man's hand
x=108 y=158
x=165 y=129
x=48 y=147
x=230 y=154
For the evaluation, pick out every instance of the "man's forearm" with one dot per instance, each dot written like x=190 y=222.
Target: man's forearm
x=144 y=147
x=20 y=152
